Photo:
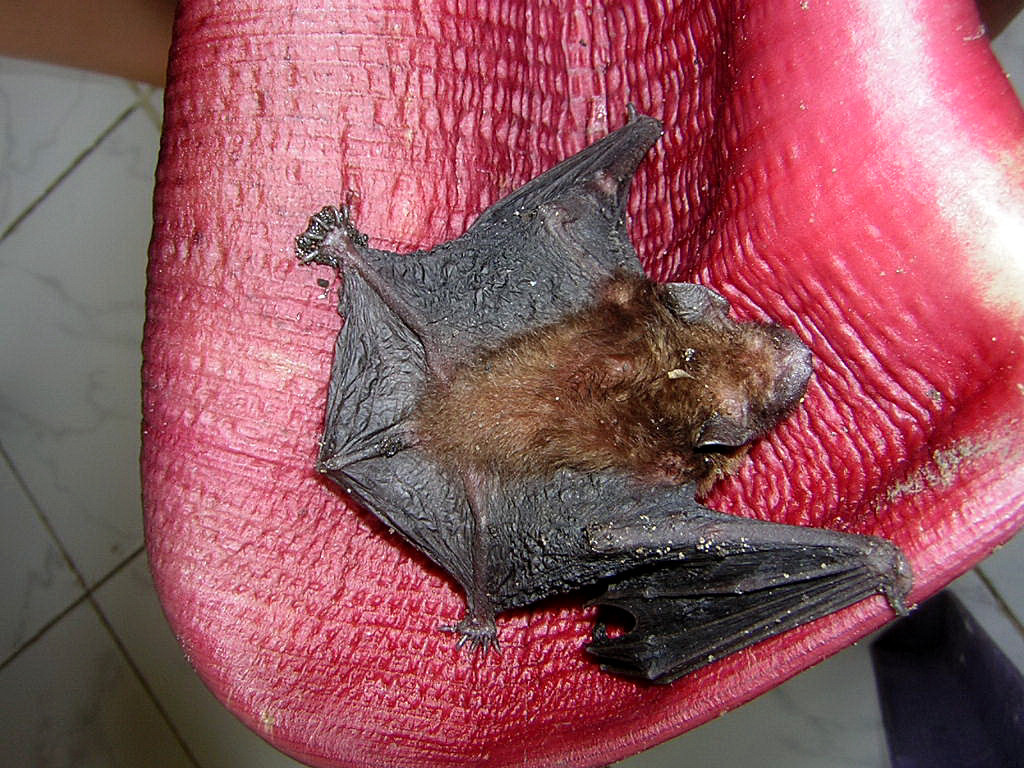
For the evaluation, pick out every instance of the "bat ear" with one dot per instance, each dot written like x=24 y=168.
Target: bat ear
x=722 y=433
x=694 y=303
x=793 y=369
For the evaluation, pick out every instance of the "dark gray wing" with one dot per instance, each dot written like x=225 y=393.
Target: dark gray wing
x=601 y=172
x=694 y=584
x=530 y=258
x=376 y=378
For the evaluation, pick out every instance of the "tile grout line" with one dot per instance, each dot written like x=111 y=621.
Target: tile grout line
x=1003 y=605
x=88 y=596
x=143 y=681
x=147 y=105
x=16 y=222
x=153 y=115
x=50 y=530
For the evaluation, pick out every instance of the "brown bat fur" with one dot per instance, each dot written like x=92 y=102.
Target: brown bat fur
x=624 y=384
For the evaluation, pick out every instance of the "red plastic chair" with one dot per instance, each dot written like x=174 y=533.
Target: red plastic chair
x=852 y=170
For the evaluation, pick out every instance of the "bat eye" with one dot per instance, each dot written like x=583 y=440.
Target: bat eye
x=720 y=434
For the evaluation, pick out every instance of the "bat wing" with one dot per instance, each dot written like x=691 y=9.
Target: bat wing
x=736 y=582
x=528 y=260
x=376 y=377
x=601 y=173
x=695 y=584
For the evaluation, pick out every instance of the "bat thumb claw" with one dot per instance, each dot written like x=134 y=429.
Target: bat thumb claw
x=328 y=235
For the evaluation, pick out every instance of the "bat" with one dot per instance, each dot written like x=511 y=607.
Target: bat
x=527 y=408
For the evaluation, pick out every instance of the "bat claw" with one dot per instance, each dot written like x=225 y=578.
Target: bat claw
x=896 y=577
x=476 y=634
x=329 y=232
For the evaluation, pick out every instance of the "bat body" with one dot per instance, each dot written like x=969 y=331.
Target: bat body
x=527 y=408
x=628 y=383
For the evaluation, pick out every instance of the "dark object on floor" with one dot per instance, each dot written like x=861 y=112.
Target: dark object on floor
x=524 y=406
x=949 y=696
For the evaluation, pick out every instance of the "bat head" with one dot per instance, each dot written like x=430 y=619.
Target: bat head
x=756 y=375
x=653 y=381
x=703 y=385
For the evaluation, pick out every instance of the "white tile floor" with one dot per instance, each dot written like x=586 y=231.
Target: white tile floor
x=89 y=672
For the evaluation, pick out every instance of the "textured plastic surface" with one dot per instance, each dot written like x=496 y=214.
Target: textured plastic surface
x=852 y=170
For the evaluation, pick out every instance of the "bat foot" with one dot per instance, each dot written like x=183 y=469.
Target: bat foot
x=895 y=576
x=328 y=235
x=475 y=633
